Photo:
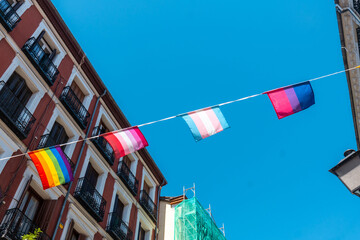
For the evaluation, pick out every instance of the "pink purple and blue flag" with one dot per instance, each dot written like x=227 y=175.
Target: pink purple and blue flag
x=292 y=99
x=206 y=122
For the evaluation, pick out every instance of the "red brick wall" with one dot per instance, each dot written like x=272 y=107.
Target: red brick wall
x=6 y=56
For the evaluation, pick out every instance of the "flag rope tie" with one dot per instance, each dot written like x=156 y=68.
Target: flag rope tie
x=179 y=115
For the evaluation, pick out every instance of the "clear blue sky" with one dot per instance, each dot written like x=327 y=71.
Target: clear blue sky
x=264 y=178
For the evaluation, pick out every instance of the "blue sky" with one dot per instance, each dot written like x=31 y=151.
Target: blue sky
x=264 y=178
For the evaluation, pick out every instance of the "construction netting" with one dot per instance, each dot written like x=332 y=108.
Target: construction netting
x=193 y=222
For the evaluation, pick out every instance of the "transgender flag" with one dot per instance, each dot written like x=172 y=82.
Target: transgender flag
x=292 y=99
x=126 y=142
x=206 y=122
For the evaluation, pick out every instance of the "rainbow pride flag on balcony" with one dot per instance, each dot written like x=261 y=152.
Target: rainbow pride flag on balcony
x=52 y=165
x=292 y=99
x=206 y=122
x=126 y=142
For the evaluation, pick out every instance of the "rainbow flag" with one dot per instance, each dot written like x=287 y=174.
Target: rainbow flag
x=292 y=99
x=206 y=122
x=52 y=166
x=126 y=142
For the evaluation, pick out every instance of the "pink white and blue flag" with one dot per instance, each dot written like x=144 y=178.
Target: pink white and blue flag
x=206 y=122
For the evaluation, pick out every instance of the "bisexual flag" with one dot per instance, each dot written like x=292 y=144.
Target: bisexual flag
x=292 y=99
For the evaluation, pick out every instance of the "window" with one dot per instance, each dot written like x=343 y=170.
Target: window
x=77 y=91
x=75 y=235
x=146 y=188
x=118 y=207
x=17 y=85
x=30 y=204
x=58 y=134
x=142 y=233
x=91 y=175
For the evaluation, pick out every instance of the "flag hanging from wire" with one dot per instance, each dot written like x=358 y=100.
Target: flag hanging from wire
x=126 y=142
x=206 y=122
x=52 y=165
x=292 y=99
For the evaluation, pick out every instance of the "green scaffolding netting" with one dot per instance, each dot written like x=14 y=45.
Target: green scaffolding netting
x=193 y=222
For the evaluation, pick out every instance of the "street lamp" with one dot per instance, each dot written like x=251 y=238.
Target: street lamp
x=348 y=171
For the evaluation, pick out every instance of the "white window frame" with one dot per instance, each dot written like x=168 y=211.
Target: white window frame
x=146 y=176
x=31 y=80
x=1 y=35
x=100 y=168
x=68 y=126
x=145 y=224
x=81 y=224
x=104 y=115
x=25 y=6
x=7 y=148
x=125 y=199
x=60 y=50
x=134 y=162
x=82 y=84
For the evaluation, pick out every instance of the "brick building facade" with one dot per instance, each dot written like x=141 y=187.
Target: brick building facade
x=51 y=94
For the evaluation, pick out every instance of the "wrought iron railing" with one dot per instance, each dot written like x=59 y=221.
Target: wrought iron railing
x=90 y=198
x=16 y=224
x=41 y=60
x=117 y=228
x=14 y=112
x=75 y=107
x=103 y=146
x=47 y=141
x=128 y=177
x=357 y=5
x=148 y=204
x=8 y=16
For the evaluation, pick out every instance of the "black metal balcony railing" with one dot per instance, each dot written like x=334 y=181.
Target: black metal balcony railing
x=16 y=224
x=14 y=113
x=103 y=146
x=75 y=107
x=47 y=141
x=148 y=204
x=91 y=199
x=8 y=16
x=128 y=178
x=357 y=5
x=41 y=60
x=117 y=228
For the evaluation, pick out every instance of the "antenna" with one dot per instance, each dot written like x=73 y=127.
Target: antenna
x=209 y=210
x=187 y=189
x=222 y=229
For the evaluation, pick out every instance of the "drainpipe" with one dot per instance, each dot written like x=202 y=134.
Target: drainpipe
x=77 y=164
x=158 y=208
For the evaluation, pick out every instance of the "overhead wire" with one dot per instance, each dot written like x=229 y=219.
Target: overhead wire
x=182 y=114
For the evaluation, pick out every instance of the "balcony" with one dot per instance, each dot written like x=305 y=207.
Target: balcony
x=357 y=5
x=75 y=107
x=8 y=16
x=91 y=199
x=103 y=146
x=41 y=60
x=47 y=141
x=14 y=113
x=148 y=204
x=16 y=224
x=117 y=228
x=128 y=178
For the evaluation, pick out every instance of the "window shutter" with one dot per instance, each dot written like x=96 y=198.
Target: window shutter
x=45 y=214
x=18 y=5
x=24 y=192
x=41 y=35
x=70 y=230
